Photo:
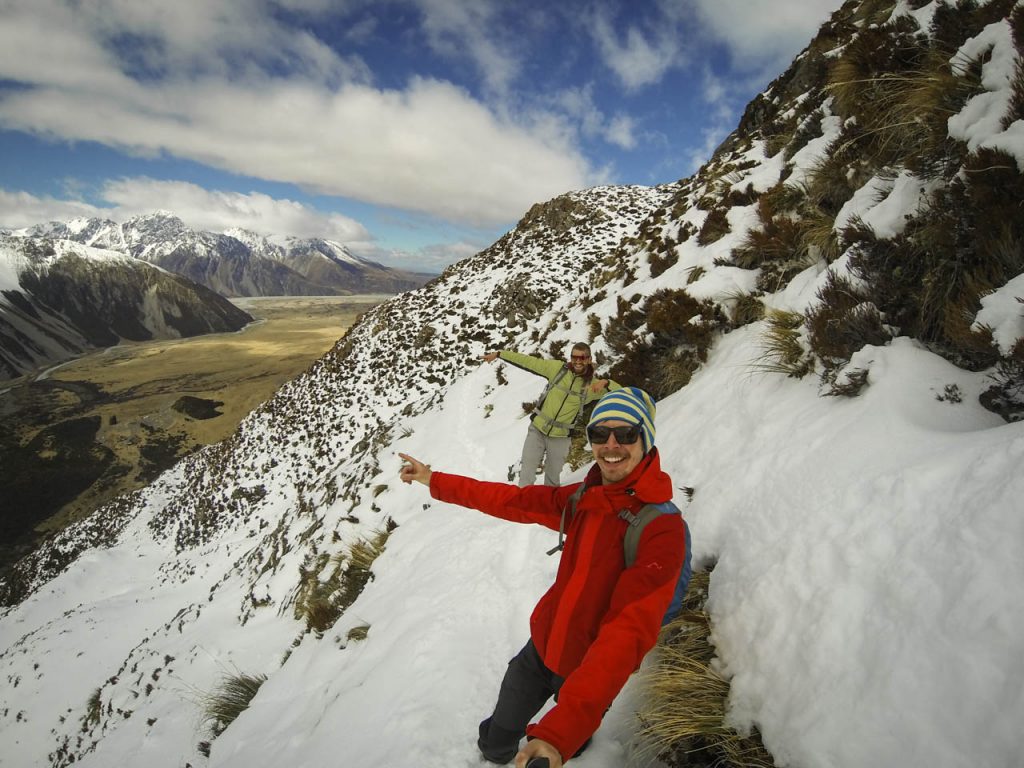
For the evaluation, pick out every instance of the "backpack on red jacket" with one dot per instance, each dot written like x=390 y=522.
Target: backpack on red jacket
x=631 y=540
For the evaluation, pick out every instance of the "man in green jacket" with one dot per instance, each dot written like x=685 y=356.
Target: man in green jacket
x=571 y=385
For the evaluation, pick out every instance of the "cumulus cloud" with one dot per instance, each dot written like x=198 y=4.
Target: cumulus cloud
x=641 y=56
x=214 y=211
x=429 y=147
x=21 y=209
x=217 y=211
x=579 y=105
x=764 y=34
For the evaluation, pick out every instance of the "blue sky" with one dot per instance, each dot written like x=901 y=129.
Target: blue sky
x=414 y=131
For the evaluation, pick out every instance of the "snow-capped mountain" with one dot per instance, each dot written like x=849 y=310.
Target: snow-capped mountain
x=59 y=299
x=829 y=313
x=236 y=263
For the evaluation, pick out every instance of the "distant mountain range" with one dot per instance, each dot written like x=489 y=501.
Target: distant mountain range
x=72 y=286
x=238 y=262
x=59 y=299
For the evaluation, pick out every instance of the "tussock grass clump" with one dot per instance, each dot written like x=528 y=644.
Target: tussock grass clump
x=358 y=633
x=832 y=181
x=744 y=309
x=715 y=227
x=901 y=87
x=321 y=599
x=782 y=350
x=953 y=23
x=874 y=12
x=848 y=383
x=230 y=699
x=93 y=711
x=778 y=249
x=1006 y=396
x=928 y=281
x=683 y=714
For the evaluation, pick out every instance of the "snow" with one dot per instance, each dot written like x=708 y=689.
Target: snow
x=980 y=122
x=883 y=204
x=866 y=593
x=11 y=264
x=1003 y=311
x=865 y=598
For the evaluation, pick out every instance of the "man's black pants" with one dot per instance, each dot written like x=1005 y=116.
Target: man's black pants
x=527 y=686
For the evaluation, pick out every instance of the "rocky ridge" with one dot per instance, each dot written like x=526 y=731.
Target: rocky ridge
x=69 y=299
x=237 y=263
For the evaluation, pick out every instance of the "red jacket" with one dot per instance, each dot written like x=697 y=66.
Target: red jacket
x=598 y=620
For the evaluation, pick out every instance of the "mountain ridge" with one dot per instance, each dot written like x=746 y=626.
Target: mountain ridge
x=249 y=265
x=61 y=299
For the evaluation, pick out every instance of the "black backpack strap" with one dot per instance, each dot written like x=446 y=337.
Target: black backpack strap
x=568 y=510
x=637 y=523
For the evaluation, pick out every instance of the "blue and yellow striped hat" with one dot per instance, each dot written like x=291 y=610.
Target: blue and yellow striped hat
x=629 y=404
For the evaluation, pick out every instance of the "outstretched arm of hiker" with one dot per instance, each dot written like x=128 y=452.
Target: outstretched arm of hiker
x=490 y=357
x=414 y=470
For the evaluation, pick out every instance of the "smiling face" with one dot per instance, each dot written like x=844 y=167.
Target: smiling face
x=616 y=461
x=579 y=359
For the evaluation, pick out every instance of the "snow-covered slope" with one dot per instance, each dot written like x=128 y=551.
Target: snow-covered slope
x=865 y=594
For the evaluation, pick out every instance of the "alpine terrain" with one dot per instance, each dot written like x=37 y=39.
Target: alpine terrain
x=59 y=299
x=237 y=262
x=830 y=316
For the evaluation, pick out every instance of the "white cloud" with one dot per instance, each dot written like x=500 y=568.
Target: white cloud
x=430 y=259
x=20 y=209
x=764 y=34
x=642 y=57
x=216 y=211
x=579 y=106
x=621 y=131
x=457 y=29
x=198 y=208
x=431 y=147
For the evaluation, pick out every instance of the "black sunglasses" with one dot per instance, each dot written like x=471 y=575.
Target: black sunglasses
x=623 y=435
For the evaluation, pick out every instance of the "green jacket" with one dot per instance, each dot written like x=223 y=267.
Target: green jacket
x=565 y=399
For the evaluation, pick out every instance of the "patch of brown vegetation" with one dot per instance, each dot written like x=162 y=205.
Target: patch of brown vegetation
x=132 y=390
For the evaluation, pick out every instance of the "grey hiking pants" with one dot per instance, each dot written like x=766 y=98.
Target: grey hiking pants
x=527 y=686
x=525 y=689
x=552 y=450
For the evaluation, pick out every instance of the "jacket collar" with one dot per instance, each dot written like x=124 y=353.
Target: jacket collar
x=646 y=483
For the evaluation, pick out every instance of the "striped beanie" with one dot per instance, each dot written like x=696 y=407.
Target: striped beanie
x=629 y=404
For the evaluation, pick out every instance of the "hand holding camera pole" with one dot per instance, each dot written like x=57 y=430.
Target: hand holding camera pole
x=538 y=762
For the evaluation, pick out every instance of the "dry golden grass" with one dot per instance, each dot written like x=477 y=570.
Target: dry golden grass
x=781 y=348
x=222 y=706
x=143 y=380
x=685 y=697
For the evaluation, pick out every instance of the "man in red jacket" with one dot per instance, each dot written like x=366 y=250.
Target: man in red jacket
x=592 y=628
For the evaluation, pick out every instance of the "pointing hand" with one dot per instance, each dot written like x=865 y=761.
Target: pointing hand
x=414 y=470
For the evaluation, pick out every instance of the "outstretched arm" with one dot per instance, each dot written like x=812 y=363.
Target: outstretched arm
x=490 y=357
x=414 y=470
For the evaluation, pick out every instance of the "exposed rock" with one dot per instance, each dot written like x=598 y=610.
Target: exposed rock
x=70 y=299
